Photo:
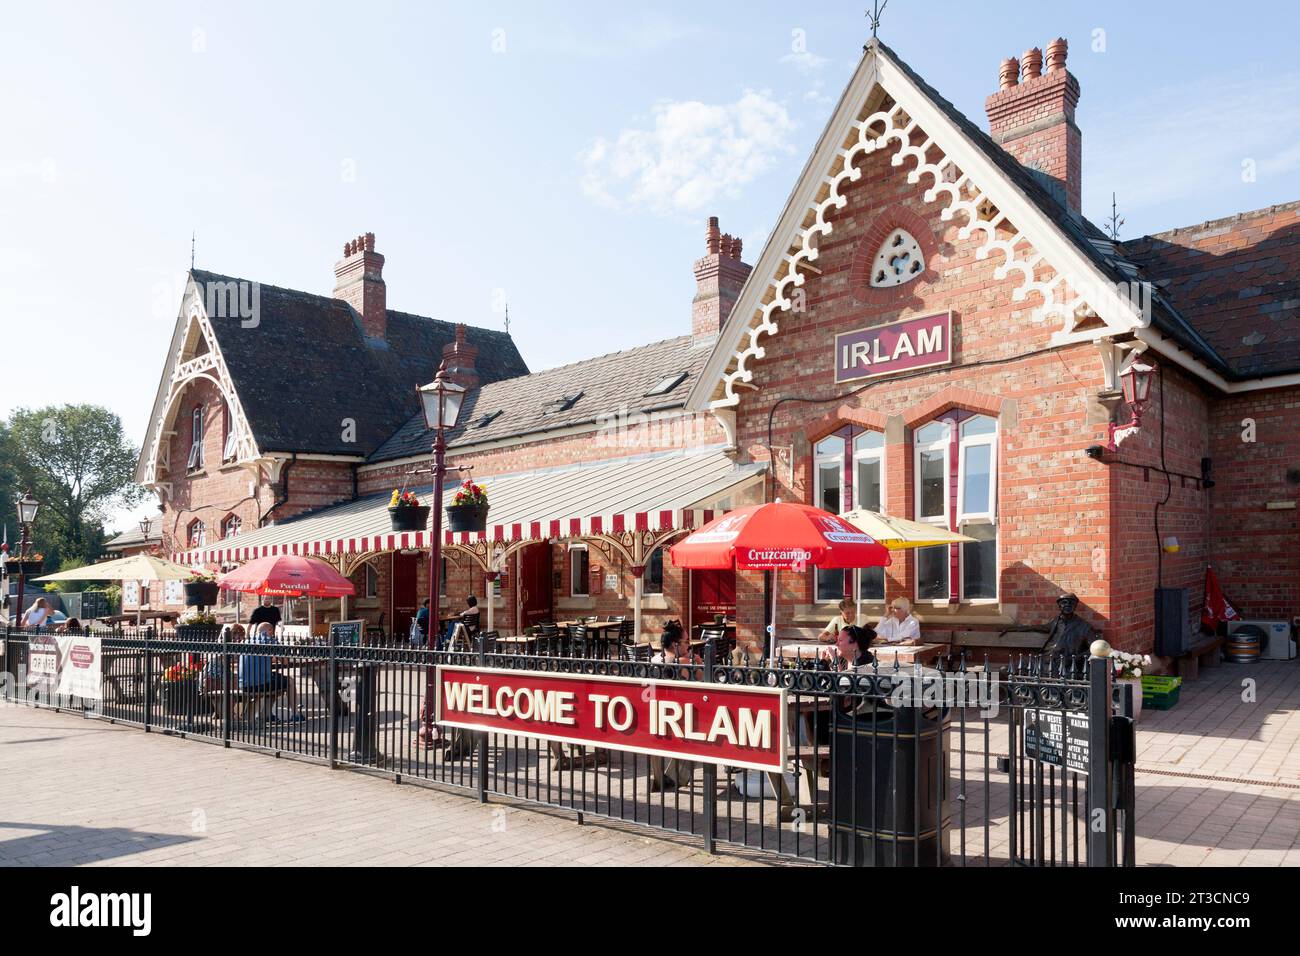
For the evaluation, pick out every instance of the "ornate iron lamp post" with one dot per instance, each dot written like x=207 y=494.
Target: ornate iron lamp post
x=441 y=400
x=27 y=507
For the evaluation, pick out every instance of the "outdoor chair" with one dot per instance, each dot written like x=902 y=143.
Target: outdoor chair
x=577 y=641
x=548 y=640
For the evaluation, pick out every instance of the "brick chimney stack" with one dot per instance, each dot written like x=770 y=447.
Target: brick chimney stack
x=1032 y=117
x=460 y=356
x=359 y=281
x=718 y=280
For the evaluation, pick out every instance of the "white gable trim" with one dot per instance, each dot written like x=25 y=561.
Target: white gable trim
x=961 y=180
x=178 y=374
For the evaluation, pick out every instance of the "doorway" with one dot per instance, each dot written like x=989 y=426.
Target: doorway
x=534 y=577
x=712 y=592
x=406 y=592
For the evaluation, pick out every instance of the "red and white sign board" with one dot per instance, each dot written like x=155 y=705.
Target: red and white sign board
x=712 y=723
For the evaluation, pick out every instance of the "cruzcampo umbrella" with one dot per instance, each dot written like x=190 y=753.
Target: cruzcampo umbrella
x=898 y=534
x=778 y=536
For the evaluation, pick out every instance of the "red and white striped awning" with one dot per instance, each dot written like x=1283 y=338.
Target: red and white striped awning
x=654 y=493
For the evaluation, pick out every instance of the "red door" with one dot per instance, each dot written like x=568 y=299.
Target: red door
x=534 y=585
x=406 y=592
x=712 y=592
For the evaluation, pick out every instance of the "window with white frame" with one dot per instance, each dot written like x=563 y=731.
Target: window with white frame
x=955 y=473
x=195 y=459
x=653 y=582
x=231 y=526
x=977 y=508
x=579 y=571
x=869 y=494
x=930 y=472
x=196 y=534
x=231 y=444
x=372 y=581
x=828 y=494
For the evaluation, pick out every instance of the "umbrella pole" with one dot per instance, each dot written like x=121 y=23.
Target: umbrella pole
x=771 y=640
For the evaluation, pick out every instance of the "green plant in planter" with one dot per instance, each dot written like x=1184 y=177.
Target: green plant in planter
x=198 y=619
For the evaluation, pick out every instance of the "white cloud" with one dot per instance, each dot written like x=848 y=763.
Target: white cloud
x=1177 y=143
x=805 y=61
x=693 y=154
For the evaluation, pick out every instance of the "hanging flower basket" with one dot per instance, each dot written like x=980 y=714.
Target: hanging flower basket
x=468 y=510
x=201 y=593
x=467 y=517
x=405 y=512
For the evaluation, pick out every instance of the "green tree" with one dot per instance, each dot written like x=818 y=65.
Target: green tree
x=77 y=462
x=8 y=491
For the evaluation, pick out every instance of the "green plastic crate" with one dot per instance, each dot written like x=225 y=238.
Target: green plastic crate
x=1160 y=693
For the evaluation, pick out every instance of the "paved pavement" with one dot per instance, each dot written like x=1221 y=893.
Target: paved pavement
x=1218 y=783
x=86 y=792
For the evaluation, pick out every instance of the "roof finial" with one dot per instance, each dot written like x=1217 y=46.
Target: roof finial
x=193 y=233
x=1115 y=220
x=877 y=8
x=507 y=318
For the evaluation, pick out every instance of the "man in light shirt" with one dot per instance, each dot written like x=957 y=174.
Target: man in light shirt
x=898 y=626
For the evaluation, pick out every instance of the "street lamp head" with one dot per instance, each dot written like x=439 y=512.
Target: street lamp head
x=1136 y=383
x=441 y=400
x=145 y=525
x=27 y=508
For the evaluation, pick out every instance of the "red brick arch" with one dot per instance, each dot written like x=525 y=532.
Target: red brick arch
x=845 y=414
x=892 y=217
x=953 y=396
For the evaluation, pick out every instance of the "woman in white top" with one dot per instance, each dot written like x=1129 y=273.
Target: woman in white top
x=848 y=616
x=898 y=626
x=38 y=614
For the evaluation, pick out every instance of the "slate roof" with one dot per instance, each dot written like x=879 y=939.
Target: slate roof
x=530 y=404
x=132 y=536
x=1089 y=240
x=313 y=340
x=1237 y=280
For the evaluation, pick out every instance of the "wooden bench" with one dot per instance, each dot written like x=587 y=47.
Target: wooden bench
x=1206 y=651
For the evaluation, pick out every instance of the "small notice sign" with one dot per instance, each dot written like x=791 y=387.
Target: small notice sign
x=346 y=632
x=1057 y=738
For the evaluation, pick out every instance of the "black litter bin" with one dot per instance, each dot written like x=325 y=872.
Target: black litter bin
x=365 y=722
x=889 y=779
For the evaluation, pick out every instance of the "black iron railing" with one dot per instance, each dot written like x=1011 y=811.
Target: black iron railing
x=886 y=766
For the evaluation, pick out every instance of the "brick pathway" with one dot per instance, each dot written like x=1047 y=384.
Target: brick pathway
x=1218 y=783
x=86 y=792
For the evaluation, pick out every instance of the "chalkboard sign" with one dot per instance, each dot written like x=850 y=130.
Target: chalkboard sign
x=1057 y=738
x=347 y=632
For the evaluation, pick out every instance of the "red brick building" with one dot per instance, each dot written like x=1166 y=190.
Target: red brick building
x=933 y=330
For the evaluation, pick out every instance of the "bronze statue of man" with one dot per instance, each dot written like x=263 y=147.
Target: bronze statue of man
x=1070 y=634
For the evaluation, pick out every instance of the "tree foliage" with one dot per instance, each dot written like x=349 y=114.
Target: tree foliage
x=77 y=462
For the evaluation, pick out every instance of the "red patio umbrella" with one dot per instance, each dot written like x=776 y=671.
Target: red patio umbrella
x=287 y=575
x=778 y=536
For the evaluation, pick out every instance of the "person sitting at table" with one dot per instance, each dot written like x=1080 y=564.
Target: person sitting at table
x=214 y=670
x=675 y=646
x=257 y=677
x=420 y=634
x=469 y=616
x=70 y=626
x=848 y=616
x=898 y=626
x=853 y=648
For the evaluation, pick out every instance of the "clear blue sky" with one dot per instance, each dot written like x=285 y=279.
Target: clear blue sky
x=566 y=153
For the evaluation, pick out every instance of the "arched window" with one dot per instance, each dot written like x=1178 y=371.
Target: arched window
x=837 y=489
x=230 y=526
x=955 y=473
x=195 y=460
x=229 y=444
x=196 y=534
x=898 y=261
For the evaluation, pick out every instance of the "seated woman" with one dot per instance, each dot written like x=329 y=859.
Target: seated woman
x=214 y=671
x=847 y=617
x=257 y=677
x=675 y=647
x=853 y=646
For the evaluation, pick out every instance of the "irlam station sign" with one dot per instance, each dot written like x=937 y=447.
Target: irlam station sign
x=712 y=723
x=901 y=346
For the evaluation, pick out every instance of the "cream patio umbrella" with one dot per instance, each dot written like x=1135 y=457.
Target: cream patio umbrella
x=899 y=534
x=137 y=567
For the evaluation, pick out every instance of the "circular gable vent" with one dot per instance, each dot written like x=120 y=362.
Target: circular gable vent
x=898 y=261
